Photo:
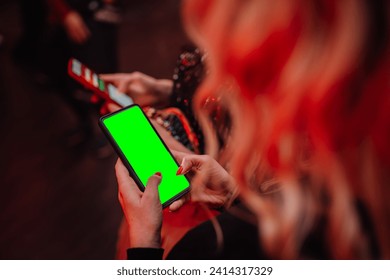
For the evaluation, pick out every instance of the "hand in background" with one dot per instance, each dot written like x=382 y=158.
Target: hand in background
x=145 y=90
x=143 y=210
x=210 y=182
x=76 y=29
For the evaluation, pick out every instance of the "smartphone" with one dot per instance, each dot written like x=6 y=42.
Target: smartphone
x=90 y=80
x=143 y=152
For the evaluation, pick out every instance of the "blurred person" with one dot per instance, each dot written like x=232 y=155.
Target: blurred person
x=87 y=31
x=306 y=86
x=91 y=29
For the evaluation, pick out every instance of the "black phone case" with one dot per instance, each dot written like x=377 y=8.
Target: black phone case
x=132 y=172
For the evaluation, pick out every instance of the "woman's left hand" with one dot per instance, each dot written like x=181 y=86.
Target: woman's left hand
x=143 y=210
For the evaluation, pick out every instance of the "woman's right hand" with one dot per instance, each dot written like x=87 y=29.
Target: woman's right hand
x=210 y=182
x=143 y=89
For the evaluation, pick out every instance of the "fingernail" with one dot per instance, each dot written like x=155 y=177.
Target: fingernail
x=179 y=171
x=158 y=174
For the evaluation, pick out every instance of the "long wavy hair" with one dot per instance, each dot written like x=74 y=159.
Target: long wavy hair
x=306 y=84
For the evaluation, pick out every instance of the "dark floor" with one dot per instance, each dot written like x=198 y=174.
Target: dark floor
x=57 y=201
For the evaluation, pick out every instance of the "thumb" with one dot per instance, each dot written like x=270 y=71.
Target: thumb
x=176 y=205
x=151 y=194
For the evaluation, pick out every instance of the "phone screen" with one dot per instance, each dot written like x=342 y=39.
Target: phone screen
x=92 y=81
x=144 y=152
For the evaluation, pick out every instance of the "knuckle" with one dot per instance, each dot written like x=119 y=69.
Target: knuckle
x=136 y=75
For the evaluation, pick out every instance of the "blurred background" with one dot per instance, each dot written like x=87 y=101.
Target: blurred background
x=58 y=194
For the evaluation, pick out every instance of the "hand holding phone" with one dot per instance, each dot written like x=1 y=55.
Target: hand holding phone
x=172 y=119
x=145 y=90
x=143 y=152
x=143 y=211
x=90 y=80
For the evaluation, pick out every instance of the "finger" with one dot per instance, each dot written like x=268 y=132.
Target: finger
x=151 y=191
x=112 y=78
x=112 y=107
x=126 y=185
x=176 y=205
x=178 y=155
x=188 y=163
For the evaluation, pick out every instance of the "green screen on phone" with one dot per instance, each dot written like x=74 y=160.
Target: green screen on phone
x=144 y=151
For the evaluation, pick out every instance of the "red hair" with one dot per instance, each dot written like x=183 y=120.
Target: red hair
x=307 y=87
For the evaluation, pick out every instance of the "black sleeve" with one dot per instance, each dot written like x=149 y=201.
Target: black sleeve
x=230 y=237
x=145 y=253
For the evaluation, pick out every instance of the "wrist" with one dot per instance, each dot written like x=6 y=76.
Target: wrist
x=142 y=239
